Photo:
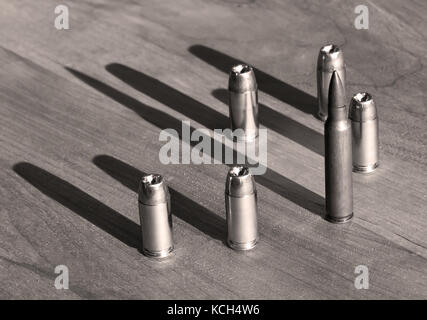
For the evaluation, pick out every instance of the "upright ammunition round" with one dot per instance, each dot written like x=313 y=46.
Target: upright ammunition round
x=241 y=209
x=155 y=216
x=338 y=156
x=364 y=125
x=243 y=102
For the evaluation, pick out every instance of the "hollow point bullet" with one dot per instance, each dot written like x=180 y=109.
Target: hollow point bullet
x=243 y=102
x=364 y=124
x=241 y=209
x=155 y=216
x=330 y=59
x=338 y=156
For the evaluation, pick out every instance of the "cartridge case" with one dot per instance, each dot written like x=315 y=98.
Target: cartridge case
x=155 y=216
x=338 y=157
x=330 y=59
x=241 y=209
x=364 y=128
x=243 y=102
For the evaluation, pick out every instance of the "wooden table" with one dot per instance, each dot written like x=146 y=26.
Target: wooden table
x=80 y=115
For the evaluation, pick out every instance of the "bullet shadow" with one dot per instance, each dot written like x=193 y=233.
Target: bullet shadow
x=271 y=179
x=159 y=118
x=150 y=114
x=184 y=208
x=283 y=125
x=209 y=117
x=169 y=96
x=292 y=191
x=81 y=203
x=266 y=83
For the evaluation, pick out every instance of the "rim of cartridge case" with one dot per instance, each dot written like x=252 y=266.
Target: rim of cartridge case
x=339 y=220
x=242 y=246
x=245 y=138
x=365 y=169
x=158 y=254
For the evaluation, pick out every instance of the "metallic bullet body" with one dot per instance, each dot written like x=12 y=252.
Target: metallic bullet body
x=338 y=156
x=241 y=209
x=243 y=102
x=364 y=124
x=330 y=59
x=155 y=216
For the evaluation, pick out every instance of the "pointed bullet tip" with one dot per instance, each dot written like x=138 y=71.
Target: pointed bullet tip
x=336 y=91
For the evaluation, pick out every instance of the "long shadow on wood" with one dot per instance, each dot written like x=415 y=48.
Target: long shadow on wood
x=169 y=96
x=209 y=117
x=81 y=203
x=266 y=83
x=182 y=207
x=271 y=179
x=283 y=125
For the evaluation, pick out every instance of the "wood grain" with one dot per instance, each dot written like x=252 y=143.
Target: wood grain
x=80 y=116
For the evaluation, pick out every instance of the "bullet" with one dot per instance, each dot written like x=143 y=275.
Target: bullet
x=241 y=209
x=155 y=216
x=243 y=102
x=338 y=156
x=364 y=128
x=330 y=59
